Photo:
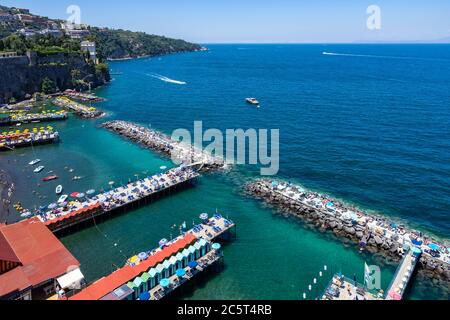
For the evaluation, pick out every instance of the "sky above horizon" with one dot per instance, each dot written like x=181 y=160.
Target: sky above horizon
x=260 y=21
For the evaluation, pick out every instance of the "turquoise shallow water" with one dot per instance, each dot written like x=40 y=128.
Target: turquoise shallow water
x=372 y=130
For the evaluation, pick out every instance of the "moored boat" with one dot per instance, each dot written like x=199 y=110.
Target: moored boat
x=36 y=161
x=38 y=169
x=50 y=178
x=63 y=198
x=59 y=189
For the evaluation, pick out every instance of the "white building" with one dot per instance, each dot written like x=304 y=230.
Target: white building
x=90 y=47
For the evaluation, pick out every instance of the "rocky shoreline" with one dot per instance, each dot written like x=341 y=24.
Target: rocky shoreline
x=6 y=191
x=356 y=232
x=163 y=144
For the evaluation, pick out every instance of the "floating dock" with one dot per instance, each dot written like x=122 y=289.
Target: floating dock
x=18 y=139
x=157 y=141
x=342 y=288
x=80 y=109
x=370 y=231
x=157 y=274
x=67 y=216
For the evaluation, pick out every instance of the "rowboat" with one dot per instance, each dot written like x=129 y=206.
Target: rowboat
x=59 y=189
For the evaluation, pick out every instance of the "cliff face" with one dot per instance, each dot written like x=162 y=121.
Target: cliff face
x=24 y=75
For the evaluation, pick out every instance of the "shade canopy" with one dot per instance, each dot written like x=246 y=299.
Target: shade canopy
x=416 y=242
x=216 y=246
x=204 y=216
x=181 y=273
x=142 y=256
x=164 y=283
x=433 y=246
x=144 y=296
x=193 y=264
x=416 y=250
x=163 y=242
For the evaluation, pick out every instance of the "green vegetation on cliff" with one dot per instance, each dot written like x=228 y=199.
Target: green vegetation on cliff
x=116 y=44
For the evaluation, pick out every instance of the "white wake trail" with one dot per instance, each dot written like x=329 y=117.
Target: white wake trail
x=166 y=79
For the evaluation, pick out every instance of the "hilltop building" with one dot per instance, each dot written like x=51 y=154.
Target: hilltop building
x=89 y=46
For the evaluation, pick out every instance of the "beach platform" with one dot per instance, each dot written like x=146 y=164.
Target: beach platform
x=67 y=217
x=165 y=270
x=33 y=118
x=342 y=288
x=80 y=109
x=27 y=138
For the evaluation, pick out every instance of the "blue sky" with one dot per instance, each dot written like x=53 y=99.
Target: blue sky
x=260 y=21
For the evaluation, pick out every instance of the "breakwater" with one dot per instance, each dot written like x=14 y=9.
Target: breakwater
x=159 y=142
x=369 y=231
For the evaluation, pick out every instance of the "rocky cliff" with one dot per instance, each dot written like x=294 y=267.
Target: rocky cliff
x=24 y=75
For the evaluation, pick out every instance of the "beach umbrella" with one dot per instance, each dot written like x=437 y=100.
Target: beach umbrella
x=416 y=242
x=52 y=206
x=163 y=242
x=142 y=256
x=416 y=251
x=181 y=273
x=134 y=259
x=144 y=296
x=91 y=191
x=204 y=216
x=192 y=264
x=63 y=204
x=433 y=246
x=216 y=246
x=164 y=283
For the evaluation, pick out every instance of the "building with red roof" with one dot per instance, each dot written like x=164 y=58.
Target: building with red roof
x=31 y=260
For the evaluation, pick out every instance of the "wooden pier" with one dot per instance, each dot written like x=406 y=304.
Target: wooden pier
x=26 y=139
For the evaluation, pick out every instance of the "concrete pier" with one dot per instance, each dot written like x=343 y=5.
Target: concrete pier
x=33 y=117
x=157 y=141
x=372 y=232
x=10 y=141
x=80 y=109
x=75 y=214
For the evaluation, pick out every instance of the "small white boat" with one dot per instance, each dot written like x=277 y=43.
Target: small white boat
x=63 y=198
x=59 y=189
x=38 y=169
x=36 y=161
x=252 y=101
x=26 y=214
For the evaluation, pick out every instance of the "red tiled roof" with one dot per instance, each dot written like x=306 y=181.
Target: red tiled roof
x=116 y=279
x=41 y=255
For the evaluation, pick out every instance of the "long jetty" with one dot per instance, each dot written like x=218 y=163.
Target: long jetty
x=157 y=141
x=370 y=231
x=67 y=216
x=161 y=272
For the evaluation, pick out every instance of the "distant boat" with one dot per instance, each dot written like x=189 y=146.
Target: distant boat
x=59 y=189
x=63 y=198
x=36 y=161
x=50 y=178
x=252 y=101
x=38 y=169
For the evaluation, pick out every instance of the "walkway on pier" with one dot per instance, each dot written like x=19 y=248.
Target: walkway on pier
x=402 y=276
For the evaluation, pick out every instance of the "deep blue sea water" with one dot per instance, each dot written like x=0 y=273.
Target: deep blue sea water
x=367 y=123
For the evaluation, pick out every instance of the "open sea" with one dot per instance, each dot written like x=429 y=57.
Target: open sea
x=369 y=124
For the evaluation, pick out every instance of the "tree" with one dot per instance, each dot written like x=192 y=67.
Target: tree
x=48 y=86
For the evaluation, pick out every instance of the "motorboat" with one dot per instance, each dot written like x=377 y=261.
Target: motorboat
x=50 y=178
x=38 y=169
x=36 y=161
x=252 y=101
x=63 y=198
